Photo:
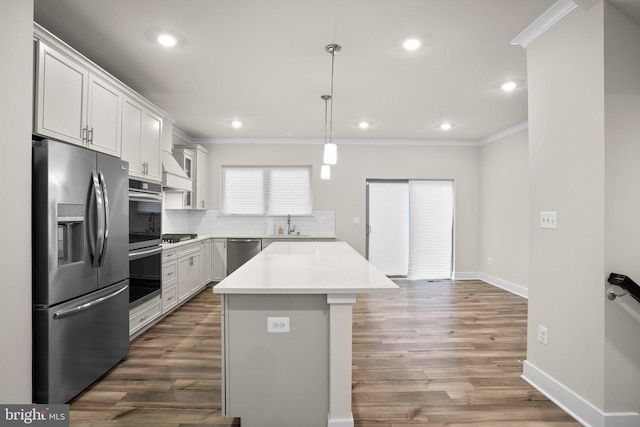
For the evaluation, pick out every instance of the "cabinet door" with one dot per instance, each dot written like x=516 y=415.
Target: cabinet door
x=219 y=259
x=207 y=262
x=195 y=274
x=151 y=145
x=104 y=115
x=201 y=179
x=184 y=283
x=132 y=115
x=61 y=96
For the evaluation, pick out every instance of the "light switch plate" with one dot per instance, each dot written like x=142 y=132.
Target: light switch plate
x=548 y=219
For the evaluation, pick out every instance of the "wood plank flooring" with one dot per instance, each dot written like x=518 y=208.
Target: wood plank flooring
x=435 y=354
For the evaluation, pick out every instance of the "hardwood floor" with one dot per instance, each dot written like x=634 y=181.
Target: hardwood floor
x=435 y=354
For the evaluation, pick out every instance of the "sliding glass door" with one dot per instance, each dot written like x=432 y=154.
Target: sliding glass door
x=388 y=226
x=410 y=227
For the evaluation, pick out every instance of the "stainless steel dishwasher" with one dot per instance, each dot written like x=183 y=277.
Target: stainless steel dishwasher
x=240 y=251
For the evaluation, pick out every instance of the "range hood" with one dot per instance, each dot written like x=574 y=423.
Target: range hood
x=173 y=176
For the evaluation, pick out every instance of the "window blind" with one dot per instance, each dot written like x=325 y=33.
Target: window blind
x=289 y=191
x=430 y=229
x=266 y=190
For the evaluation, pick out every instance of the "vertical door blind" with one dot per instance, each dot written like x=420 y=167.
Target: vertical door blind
x=389 y=211
x=266 y=190
x=411 y=228
x=430 y=229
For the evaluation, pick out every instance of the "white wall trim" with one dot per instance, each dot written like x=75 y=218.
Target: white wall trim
x=506 y=285
x=574 y=405
x=345 y=141
x=340 y=422
x=544 y=22
x=177 y=132
x=504 y=133
x=495 y=281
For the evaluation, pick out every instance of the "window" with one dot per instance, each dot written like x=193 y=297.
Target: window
x=266 y=190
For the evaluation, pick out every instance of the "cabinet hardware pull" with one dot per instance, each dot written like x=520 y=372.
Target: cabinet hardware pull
x=84 y=135
x=143 y=318
x=90 y=136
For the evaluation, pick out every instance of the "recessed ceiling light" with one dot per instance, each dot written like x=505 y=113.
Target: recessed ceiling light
x=363 y=125
x=509 y=86
x=446 y=126
x=236 y=124
x=411 y=44
x=167 y=40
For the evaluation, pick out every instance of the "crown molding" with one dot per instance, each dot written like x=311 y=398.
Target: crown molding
x=544 y=22
x=504 y=133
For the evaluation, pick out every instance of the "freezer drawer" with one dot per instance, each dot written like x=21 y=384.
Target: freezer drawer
x=76 y=342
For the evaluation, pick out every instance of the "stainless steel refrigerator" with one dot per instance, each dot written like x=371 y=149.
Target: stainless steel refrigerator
x=80 y=268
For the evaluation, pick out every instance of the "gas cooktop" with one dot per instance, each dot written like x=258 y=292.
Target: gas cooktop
x=175 y=238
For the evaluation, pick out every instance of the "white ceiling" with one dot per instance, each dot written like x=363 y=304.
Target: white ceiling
x=264 y=62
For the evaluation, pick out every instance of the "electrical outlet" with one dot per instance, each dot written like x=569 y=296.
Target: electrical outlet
x=322 y=220
x=543 y=334
x=234 y=222
x=548 y=219
x=277 y=324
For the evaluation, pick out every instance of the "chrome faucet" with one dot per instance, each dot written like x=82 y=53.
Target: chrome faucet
x=290 y=229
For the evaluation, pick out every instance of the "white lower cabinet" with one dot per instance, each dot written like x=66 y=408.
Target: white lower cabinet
x=207 y=262
x=169 y=279
x=144 y=314
x=189 y=270
x=219 y=259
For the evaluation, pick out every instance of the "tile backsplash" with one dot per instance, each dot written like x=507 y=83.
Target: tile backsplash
x=210 y=222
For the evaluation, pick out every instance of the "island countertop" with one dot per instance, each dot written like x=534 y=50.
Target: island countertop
x=306 y=268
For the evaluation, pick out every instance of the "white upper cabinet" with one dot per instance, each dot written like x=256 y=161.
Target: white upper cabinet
x=75 y=105
x=104 y=116
x=141 y=140
x=80 y=103
x=61 y=96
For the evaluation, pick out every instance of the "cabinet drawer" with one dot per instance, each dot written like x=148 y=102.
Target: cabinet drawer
x=169 y=254
x=169 y=272
x=144 y=314
x=189 y=249
x=169 y=298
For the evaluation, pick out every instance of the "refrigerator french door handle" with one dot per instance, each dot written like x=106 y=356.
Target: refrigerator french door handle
x=74 y=310
x=99 y=205
x=105 y=198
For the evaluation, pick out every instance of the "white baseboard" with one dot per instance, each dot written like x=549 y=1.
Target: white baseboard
x=340 y=422
x=574 y=405
x=495 y=281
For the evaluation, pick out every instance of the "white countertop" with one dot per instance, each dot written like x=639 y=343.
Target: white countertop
x=306 y=268
x=265 y=236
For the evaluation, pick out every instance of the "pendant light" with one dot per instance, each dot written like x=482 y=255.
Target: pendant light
x=330 y=149
x=325 y=171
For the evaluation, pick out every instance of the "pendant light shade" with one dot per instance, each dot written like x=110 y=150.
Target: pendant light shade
x=330 y=153
x=325 y=172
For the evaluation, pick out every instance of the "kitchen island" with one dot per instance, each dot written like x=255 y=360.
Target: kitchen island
x=286 y=334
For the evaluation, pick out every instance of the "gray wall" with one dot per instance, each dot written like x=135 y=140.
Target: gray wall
x=504 y=209
x=345 y=192
x=16 y=30
x=622 y=186
x=584 y=101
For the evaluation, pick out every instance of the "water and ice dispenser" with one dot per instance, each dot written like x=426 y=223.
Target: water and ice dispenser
x=71 y=229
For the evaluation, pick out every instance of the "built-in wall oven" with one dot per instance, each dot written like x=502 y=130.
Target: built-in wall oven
x=145 y=238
